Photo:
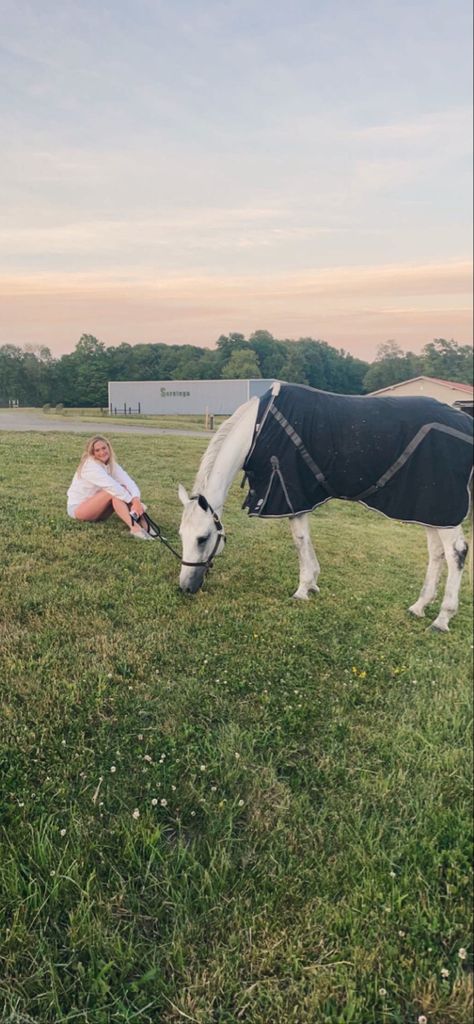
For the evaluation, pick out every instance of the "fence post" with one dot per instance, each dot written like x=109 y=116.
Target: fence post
x=139 y=409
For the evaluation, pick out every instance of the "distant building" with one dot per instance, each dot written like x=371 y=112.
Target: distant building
x=178 y=397
x=448 y=391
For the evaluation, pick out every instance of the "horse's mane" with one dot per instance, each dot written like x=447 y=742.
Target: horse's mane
x=212 y=451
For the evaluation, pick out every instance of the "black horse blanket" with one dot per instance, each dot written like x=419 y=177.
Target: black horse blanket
x=409 y=458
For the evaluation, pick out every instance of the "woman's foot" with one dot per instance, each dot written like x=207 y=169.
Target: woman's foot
x=137 y=531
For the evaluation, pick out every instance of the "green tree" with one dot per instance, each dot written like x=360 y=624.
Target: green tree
x=294 y=369
x=89 y=371
x=448 y=360
x=271 y=354
x=241 y=365
x=391 y=366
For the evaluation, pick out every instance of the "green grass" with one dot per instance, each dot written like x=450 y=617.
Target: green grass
x=301 y=770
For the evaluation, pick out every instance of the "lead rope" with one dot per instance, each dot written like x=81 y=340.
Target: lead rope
x=155 y=531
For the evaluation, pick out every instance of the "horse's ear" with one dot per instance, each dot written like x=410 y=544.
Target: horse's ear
x=183 y=495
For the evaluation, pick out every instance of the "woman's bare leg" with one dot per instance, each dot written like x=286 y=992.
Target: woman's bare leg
x=101 y=506
x=92 y=509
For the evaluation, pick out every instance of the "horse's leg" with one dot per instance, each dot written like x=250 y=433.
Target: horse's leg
x=309 y=565
x=433 y=572
x=455 y=551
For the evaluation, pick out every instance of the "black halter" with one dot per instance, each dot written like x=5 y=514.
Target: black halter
x=206 y=507
x=155 y=531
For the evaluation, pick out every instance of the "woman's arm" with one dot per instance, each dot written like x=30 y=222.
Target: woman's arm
x=126 y=481
x=97 y=475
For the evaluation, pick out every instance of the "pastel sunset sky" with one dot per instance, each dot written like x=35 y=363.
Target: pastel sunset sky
x=177 y=169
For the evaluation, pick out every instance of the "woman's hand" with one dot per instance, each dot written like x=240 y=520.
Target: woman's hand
x=137 y=506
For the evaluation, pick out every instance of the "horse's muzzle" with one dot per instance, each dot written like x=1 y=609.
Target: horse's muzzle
x=190 y=581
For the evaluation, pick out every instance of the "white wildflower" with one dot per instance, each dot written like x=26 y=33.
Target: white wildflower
x=136 y=813
x=164 y=803
x=462 y=953
x=154 y=802
x=113 y=768
x=422 y=1019
x=62 y=833
x=444 y=972
x=241 y=803
x=382 y=992
x=202 y=767
x=146 y=757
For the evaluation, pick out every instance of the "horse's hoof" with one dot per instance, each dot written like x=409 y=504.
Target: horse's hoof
x=413 y=611
x=438 y=629
x=300 y=597
x=314 y=589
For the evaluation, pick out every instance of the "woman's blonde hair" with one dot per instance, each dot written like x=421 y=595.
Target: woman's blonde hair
x=88 y=452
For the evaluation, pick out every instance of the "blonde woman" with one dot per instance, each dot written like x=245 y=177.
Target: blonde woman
x=100 y=486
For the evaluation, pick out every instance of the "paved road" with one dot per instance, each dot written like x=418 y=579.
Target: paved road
x=27 y=419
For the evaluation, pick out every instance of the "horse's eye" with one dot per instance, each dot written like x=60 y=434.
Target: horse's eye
x=202 y=540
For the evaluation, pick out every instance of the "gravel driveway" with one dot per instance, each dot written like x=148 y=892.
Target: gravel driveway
x=27 y=419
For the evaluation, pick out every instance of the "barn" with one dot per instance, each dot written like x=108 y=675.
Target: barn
x=449 y=391
x=183 y=397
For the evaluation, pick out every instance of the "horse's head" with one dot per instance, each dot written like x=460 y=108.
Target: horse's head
x=202 y=537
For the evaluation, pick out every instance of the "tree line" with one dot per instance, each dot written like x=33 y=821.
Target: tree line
x=32 y=376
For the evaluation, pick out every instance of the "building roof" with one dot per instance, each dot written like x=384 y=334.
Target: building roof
x=453 y=384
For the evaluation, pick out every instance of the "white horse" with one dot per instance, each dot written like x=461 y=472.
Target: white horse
x=203 y=537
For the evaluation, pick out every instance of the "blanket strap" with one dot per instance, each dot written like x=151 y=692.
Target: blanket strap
x=407 y=452
x=296 y=439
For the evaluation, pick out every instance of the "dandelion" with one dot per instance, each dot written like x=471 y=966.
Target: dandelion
x=193 y=814
x=63 y=743
x=237 y=756
x=382 y=992
x=146 y=757
x=140 y=736
x=462 y=953
x=444 y=972
x=113 y=768
x=154 y=802
x=164 y=803
x=136 y=813
x=213 y=789
x=241 y=803
x=109 y=675
x=174 y=789
x=52 y=873
x=202 y=767
x=422 y=1019
x=393 y=874
x=402 y=934
x=62 y=833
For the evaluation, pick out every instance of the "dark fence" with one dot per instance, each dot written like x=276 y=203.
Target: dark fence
x=124 y=410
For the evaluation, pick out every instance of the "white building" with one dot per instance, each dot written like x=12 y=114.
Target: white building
x=196 y=397
x=448 y=391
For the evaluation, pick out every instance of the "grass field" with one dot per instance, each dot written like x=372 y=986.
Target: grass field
x=233 y=807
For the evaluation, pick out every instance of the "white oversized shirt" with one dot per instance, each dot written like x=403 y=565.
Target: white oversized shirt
x=95 y=477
